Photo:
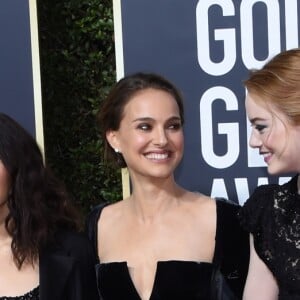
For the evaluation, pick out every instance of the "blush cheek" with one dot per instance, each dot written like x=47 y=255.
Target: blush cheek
x=180 y=143
x=140 y=143
x=134 y=142
x=270 y=140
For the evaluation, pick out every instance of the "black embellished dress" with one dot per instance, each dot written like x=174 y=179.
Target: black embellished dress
x=184 y=280
x=32 y=295
x=272 y=215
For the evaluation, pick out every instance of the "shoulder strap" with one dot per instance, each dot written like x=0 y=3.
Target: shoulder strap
x=91 y=225
x=232 y=246
x=226 y=223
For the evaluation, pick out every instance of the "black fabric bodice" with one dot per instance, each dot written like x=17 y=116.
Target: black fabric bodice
x=32 y=295
x=272 y=215
x=175 y=279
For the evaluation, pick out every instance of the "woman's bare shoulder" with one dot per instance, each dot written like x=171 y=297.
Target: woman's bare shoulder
x=201 y=200
x=113 y=209
x=201 y=206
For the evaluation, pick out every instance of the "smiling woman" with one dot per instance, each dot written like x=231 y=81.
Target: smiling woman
x=274 y=134
x=150 y=135
x=272 y=213
x=162 y=242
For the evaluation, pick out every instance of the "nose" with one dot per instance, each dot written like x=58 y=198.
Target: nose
x=255 y=141
x=160 y=137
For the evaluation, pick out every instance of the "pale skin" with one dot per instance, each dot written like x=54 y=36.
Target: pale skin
x=274 y=135
x=13 y=282
x=278 y=140
x=160 y=221
x=260 y=283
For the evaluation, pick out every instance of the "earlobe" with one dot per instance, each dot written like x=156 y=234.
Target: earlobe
x=112 y=139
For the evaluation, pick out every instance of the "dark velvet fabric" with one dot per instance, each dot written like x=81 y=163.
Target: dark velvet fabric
x=173 y=280
x=182 y=279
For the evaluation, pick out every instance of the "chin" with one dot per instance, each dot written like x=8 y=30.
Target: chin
x=280 y=171
x=274 y=171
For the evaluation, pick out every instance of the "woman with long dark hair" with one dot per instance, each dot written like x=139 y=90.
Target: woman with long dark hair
x=42 y=256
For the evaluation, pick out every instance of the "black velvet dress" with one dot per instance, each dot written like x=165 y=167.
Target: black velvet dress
x=272 y=215
x=184 y=280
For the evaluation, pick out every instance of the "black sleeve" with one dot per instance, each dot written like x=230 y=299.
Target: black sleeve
x=87 y=262
x=91 y=226
x=82 y=283
x=255 y=212
x=232 y=247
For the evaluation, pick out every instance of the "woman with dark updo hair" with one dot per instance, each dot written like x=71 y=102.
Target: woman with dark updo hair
x=162 y=241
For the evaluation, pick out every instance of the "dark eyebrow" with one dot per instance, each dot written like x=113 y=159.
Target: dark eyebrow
x=148 y=119
x=175 y=118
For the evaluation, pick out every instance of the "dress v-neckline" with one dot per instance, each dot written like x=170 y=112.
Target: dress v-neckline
x=173 y=281
x=124 y=264
x=130 y=281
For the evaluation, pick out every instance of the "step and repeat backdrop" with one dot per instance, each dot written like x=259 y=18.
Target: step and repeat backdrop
x=206 y=48
x=19 y=65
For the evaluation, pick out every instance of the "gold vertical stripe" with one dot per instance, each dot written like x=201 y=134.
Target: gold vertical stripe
x=118 y=38
x=37 y=93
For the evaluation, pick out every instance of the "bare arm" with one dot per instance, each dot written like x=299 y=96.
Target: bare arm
x=260 y=284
